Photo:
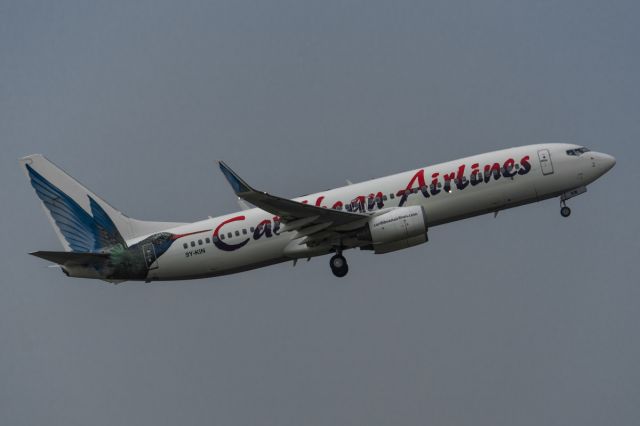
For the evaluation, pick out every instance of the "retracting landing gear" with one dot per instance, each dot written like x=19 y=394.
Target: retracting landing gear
x=338 y=264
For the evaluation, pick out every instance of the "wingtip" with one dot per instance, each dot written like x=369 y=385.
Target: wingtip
x=28 y=159
x=238 y=185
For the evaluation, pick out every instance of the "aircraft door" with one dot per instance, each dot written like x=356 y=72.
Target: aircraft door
x=545 y=162
x=149 y=252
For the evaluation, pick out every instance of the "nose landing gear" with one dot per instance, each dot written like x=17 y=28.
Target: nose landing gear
x=339 y=265
x=564 y=210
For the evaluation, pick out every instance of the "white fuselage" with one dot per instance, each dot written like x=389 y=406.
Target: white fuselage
x=448 y=192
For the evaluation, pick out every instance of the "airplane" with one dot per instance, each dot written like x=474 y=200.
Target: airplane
x=381 y=215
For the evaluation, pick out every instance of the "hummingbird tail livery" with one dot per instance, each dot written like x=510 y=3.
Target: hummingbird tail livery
x=82 y=220
x=381 y=215
x=87 y=226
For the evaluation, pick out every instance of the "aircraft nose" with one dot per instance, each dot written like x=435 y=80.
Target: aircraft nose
x=607 y=162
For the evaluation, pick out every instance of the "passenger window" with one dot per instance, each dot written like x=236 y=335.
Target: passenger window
x=185 y=245
x=222 y=236
x=392 y=196
x=193 y=243
x=229 y=235
x=252 y=229
x=215 y=239
x=244 y=231
x=208 y=240
x=237 y=233
x=384 y=198
x=199 y=242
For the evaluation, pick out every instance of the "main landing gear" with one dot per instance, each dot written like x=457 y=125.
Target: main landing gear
x=339 y=265
x=565 y=211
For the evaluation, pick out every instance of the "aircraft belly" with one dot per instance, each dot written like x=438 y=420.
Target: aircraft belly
x=176 y=264
x=481 y=199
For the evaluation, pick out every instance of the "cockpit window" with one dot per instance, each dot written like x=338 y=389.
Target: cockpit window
x=578 y=151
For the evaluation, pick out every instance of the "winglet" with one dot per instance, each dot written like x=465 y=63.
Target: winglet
x=239 y=186
x=288 y=210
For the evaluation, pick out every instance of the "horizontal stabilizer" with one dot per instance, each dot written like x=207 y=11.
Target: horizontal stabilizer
x=72 y=258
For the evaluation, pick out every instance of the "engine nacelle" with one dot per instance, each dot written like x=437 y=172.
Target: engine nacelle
x=398 y=229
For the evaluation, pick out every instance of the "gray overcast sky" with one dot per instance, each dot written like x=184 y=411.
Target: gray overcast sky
x=526 y=319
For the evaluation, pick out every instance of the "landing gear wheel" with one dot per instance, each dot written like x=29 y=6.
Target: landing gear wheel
x=565 y=211
x=339 y=265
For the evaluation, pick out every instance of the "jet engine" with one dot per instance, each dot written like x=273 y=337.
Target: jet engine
x=397 y=229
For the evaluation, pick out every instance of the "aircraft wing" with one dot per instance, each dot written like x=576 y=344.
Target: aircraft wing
x=294 y=215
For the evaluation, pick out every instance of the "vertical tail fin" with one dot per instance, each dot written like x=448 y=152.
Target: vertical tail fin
x=67 y=203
